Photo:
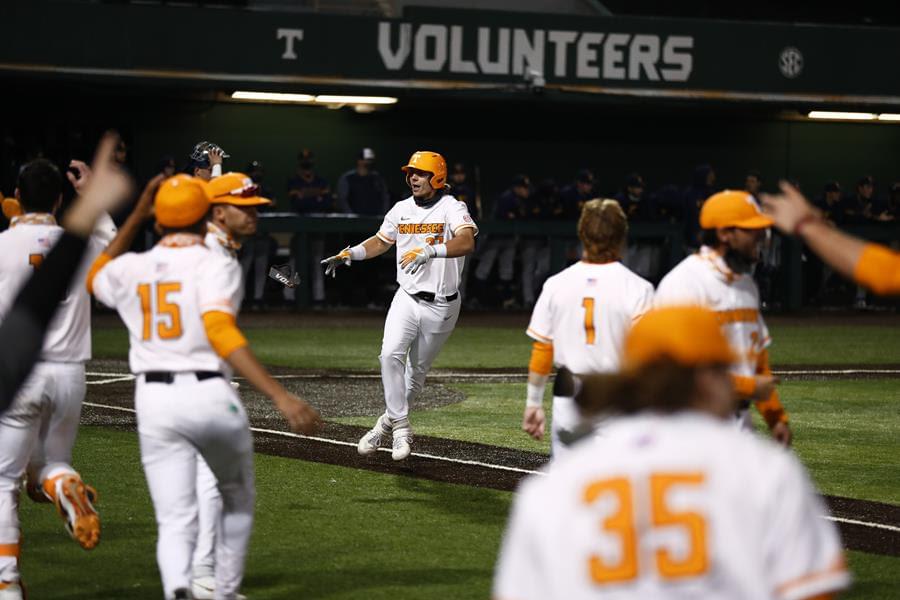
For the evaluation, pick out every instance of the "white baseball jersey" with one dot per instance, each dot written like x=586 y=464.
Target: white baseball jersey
x=704 y=279
x=22 y=249
x=161 y=296
x=222 y=245
x=585 y=312
x=411 y=226
x=670 y=507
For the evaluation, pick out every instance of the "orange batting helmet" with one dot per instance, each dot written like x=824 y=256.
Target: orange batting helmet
x=431 y=162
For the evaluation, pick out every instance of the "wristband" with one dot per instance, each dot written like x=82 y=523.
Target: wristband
x=358 y=252
x=535 y=396
x=810 y=218
x=216 y=170
x=440 y=250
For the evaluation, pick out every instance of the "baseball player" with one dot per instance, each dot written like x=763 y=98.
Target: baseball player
x=580 y=319
x=206 y=161
x=672 y=501
x=872 y=266
x=178 y=302
x=38 y=431
x=232 y=218
x=719 y=277
x=433 y=233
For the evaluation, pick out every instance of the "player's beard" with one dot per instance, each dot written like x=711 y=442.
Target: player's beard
x=739 y=262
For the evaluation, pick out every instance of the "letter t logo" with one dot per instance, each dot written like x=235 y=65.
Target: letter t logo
x=289 y=36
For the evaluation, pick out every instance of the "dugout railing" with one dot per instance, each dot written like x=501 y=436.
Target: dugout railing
x=560 y=234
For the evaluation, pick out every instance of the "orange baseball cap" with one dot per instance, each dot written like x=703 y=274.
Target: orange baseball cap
x=732 y=208
x=689 y=335
x=180 y=201
x=236 y=189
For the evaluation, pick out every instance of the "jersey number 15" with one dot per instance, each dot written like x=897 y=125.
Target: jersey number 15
x=167 y=314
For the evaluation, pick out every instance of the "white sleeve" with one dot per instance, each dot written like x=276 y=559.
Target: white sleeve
x=644 y=302
x=540 y=328
x=105 y=230
x=219 y=285
x=675 y=289
x=764 y=337
x=517 y=575
x=458 y=217
x=388 y=230
x=108 y=285
x=803 y=550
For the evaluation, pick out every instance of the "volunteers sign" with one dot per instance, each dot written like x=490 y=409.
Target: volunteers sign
x=451 y=49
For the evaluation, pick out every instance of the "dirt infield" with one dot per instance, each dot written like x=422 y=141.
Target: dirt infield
x=866 y=526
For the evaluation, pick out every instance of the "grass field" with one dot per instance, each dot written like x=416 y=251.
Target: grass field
x=333 y=532
x=321 y=532
x=504 y=347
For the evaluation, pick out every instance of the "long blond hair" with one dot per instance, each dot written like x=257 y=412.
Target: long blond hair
x=602 y=229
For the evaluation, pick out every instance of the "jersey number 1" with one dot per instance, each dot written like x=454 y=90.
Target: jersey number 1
x=590 y=332
x=168 y=315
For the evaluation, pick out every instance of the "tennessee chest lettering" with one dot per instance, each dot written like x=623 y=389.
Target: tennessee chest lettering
x=414 y=228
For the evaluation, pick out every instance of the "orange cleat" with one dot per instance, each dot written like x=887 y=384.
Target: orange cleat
x=75 y=503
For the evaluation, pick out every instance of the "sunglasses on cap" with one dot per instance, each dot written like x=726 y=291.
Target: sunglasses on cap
x=248 y=191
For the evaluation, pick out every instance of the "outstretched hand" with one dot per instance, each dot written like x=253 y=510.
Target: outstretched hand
x=333 y=262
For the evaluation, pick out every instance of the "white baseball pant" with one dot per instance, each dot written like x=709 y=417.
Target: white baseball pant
x=414 y=332
x=41 y=426
x=175 y=421
x=209 y=510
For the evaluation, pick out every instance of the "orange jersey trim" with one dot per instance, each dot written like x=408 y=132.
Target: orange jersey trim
x=838 y=567
x=538 y=336
x=738 y=315
x=98 y=264
x=9 y=550
x=384 y=238
x=541 y=358
x=465 y=226
x=222 y=331
x=878 y=269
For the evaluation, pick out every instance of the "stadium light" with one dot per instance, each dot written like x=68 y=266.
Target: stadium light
x=359 y=103
x=841 y=116
x=274 y=97
x=369 y=100
x=889 y=117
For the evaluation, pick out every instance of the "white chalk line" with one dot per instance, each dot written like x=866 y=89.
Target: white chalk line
x=460 y=461
x=334 y=442
x=466 y=375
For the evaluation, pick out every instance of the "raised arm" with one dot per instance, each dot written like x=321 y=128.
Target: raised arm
x=870 y=265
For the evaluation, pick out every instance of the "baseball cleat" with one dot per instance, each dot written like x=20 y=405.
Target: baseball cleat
x=373 y=439
x=402 y=443
x=74 y=502
x=36 y=492
x=204 y=588
x=11 y=590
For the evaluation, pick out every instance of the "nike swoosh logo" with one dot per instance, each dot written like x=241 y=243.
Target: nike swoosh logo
x=404 y=218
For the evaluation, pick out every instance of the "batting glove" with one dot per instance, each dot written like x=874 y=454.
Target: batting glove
x=414 y=259
x=333 y=262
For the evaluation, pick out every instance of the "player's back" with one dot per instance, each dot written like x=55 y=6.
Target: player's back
x=161 y=296
x=585 y=311
x=669 y=507
x=22 y=250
